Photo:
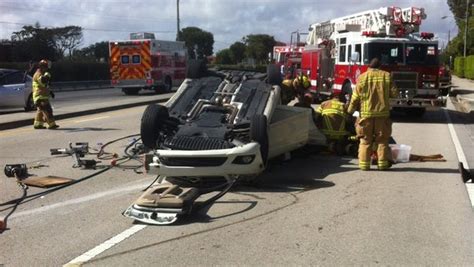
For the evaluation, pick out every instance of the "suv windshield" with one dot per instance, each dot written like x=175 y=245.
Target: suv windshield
x=421 y=54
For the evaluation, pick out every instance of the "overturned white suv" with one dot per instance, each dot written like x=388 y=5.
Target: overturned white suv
x=219 y=127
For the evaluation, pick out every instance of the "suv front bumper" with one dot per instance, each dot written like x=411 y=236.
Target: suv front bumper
x=241 y=160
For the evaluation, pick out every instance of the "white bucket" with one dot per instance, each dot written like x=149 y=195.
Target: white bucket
x=400 y=153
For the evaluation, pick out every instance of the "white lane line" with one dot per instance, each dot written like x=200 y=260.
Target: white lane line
x=460 y=153
x=106 y=245
x=457 y=144
x=92 y=119
x=95 y=196
x=470 y=191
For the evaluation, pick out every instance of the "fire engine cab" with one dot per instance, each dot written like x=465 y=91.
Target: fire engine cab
x=288 y=57
x=339 y=50
x=145 y=63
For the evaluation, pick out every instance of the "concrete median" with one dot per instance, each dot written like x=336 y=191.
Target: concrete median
x=12 y=120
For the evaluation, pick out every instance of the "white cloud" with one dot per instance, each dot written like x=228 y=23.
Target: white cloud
x=228 y=20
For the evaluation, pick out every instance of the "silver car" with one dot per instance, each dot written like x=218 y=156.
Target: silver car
x=15 y=89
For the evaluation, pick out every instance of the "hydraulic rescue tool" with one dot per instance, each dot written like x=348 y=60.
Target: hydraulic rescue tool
x=77 y=151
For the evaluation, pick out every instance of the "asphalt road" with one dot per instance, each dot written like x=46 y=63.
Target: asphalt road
x=316 y=209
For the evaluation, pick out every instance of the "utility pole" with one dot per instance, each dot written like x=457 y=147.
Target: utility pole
x=465 y=26
x=177 y=19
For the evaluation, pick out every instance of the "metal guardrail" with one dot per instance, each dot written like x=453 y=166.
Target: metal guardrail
x=80 y=85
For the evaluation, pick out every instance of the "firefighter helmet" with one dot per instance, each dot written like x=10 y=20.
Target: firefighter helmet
x=301 y=80
x=44 y=63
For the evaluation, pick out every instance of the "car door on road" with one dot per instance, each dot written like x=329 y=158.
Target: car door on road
x=12 y=89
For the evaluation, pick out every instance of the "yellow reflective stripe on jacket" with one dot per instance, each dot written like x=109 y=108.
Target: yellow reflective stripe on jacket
x=39 y=89
x=334 y=115
x=319 y=110
x=37 y=82
x=332 y=111
x=371 y=114
x=372 y=94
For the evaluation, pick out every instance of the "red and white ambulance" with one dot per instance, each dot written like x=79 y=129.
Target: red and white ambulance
x=339 y=50
x=145 y=63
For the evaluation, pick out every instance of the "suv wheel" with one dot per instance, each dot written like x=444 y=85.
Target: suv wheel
x=258 y=133
x=273 y=75
x=152 y=123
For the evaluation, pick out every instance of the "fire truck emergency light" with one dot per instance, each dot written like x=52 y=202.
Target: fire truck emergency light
x=369 y=33
x=426 y=35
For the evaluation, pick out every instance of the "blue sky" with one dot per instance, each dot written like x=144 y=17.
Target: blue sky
x=228 y=20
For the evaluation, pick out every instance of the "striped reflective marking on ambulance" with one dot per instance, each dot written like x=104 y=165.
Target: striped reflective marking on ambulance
x=131 y=71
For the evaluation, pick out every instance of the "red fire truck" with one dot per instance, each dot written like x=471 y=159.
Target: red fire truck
x=339 y=50
x=145 y=63
x=288 y=57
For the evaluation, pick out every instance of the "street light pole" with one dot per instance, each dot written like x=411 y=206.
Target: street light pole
x=177 y=20
x=465 y=27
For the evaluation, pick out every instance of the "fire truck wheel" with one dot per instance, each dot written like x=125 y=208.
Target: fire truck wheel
x=258 y=133
x=196 y=69
x=130 y=91
x=273 y=75
x=151 y=124
x=165 y=87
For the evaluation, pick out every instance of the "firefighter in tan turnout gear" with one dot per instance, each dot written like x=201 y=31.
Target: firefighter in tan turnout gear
x=287 y=91
x=331 y=118
x=371 y=98
x=41 y=95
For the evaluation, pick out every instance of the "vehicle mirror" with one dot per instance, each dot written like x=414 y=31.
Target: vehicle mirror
x=355 y=57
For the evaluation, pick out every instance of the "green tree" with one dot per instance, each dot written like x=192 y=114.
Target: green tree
x=5 y=50
x=67 y=39
x=259 y=46
x=224 y=57
x=237 y=51
x=35 y=42
x=94 y=52
x=456 y=45
x=197 y=41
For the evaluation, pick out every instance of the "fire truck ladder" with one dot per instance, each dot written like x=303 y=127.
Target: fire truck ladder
x=389 y=21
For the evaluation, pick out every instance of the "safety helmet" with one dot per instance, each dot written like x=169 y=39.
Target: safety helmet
x=306 y=83
x=44 y=63
x=302 y=80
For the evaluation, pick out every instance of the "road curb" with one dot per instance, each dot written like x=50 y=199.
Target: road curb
x=26 y=122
